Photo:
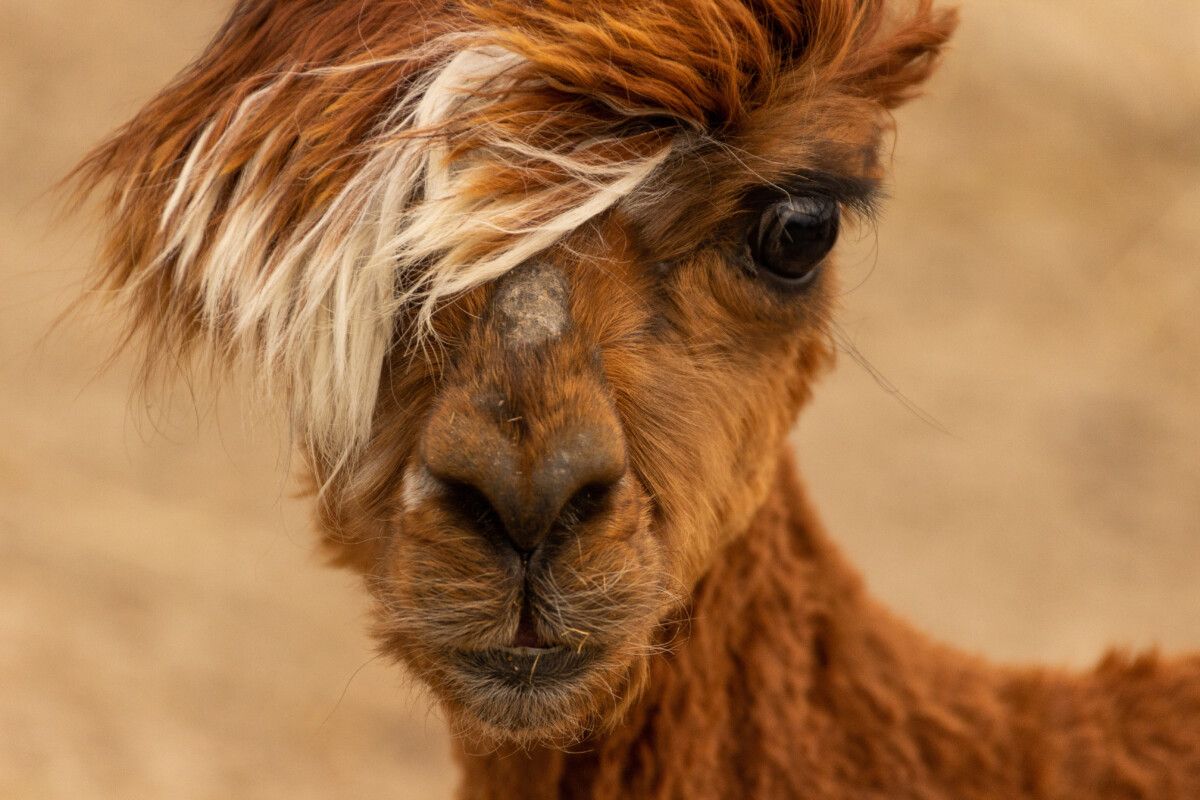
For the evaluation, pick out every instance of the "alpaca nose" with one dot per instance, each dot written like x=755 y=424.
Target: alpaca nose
x=523 y=496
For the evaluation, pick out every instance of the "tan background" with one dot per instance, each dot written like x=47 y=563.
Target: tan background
x=165 y=630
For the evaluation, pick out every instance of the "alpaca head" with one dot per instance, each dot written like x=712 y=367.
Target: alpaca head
x=542 y=285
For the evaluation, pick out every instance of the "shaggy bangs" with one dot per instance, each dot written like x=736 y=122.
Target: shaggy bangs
x=298 y=199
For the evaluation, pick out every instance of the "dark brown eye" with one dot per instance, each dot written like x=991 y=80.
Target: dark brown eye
x=792 y=237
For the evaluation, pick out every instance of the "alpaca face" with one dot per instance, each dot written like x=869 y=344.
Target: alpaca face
x=602 y=422
x=545 y=285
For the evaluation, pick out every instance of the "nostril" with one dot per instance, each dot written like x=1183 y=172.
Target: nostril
x=587 y=502
x=476 y=510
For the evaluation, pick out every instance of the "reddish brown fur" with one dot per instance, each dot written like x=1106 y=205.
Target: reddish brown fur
x=735 y=654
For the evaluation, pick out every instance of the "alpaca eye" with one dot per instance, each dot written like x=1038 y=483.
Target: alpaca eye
x=793 y=236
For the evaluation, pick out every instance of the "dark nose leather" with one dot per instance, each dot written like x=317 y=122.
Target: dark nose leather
x=531 y=490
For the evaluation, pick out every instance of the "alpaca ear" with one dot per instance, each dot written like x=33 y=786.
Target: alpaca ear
x=902 y=56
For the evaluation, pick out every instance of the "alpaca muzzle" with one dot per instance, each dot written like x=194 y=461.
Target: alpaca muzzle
x=532 y=453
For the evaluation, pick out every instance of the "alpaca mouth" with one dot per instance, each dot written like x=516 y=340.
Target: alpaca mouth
x=527 y=667
x=525 y=694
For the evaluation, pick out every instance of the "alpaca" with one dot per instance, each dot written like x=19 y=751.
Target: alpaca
x=543 y=285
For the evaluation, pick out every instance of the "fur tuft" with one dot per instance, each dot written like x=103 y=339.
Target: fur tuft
x=327 y=175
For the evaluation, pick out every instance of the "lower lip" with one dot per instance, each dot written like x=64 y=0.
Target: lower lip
x=527 y=665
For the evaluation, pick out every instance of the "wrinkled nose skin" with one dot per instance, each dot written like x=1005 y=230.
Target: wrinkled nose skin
x=526 y=444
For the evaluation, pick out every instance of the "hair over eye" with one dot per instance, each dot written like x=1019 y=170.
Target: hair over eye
x=789 y=242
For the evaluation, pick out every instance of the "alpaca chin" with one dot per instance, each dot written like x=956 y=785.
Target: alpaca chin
x=546 y=713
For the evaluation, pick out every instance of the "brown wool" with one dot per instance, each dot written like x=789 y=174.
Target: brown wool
x=494 y=258
x=788 y=681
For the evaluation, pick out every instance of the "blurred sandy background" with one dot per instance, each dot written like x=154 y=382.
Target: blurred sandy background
x=165 y=630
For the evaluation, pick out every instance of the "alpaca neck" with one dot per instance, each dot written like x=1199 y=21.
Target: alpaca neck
x=789 y=682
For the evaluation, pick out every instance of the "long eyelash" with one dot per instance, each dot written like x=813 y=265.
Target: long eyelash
x=861 y=196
